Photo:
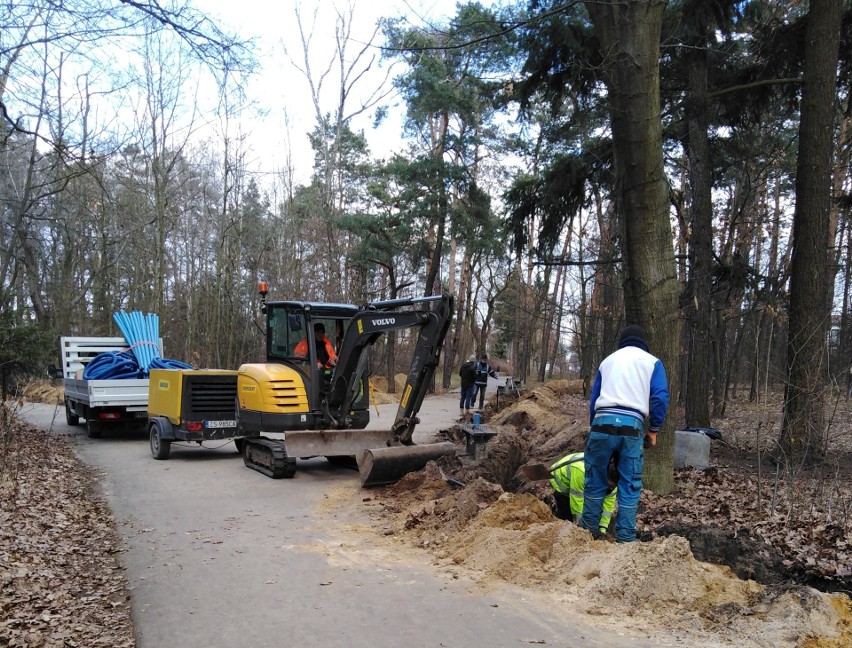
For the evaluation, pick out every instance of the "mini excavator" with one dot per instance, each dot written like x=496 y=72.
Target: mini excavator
x=322 y=406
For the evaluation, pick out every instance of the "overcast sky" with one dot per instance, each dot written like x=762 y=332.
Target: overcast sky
x=282 y=92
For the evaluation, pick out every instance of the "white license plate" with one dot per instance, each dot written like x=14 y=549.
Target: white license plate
x=220 y=424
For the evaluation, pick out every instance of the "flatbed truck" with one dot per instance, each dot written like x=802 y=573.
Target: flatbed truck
x=100 y=402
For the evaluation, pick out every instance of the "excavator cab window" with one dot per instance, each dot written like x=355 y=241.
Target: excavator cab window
x=286 y=329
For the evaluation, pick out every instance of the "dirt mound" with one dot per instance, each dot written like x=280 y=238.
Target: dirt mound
x=514 y=537
x=429 y=507
x=44 y=391
x=542 y=426
x=506 y=454
x=379 y=389
x=552 y=418
x=748 y=556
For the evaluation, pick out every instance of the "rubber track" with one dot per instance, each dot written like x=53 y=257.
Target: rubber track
x=269 y=456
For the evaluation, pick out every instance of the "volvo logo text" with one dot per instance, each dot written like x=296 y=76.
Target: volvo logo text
x=384 y=322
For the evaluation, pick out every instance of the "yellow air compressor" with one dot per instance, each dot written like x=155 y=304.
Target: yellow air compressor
x=191 y=405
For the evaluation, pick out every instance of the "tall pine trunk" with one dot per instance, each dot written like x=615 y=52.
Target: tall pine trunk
x=809 y=308
x=699 y=309
x=630 y=37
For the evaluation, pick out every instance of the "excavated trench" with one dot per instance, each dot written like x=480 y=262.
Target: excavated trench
x=696 y=579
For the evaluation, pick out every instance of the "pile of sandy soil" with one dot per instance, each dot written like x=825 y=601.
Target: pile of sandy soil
x=44 y=391
x=379 y=388
x=499 y=527
x=669 y=595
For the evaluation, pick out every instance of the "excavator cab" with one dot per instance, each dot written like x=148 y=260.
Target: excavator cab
x=289 y=391
x=292 y=338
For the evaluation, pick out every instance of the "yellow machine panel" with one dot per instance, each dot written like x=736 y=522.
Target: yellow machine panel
x=272 y=388
x=166 y=390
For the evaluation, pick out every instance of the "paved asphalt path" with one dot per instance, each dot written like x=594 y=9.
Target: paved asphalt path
x=220 y=556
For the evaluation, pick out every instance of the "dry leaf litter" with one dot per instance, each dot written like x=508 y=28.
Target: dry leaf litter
x=61 y=583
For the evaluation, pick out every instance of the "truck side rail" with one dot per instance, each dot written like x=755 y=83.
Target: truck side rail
x=75 y=352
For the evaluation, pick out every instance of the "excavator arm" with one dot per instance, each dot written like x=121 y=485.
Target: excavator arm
x=364 y=329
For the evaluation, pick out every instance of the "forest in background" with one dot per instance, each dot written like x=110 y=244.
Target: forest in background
x=509 y=191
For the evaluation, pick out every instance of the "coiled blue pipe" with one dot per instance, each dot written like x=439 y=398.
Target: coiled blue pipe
x=142 y=333
x=112 y=365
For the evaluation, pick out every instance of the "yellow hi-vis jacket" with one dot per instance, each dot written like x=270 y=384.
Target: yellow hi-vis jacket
x=569 y=478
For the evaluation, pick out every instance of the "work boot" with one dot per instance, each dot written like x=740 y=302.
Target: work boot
x=596 y=533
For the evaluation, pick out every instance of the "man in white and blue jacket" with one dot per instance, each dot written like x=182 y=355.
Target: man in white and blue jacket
x=630 y=386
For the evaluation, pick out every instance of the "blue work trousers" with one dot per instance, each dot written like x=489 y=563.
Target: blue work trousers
x=480 y=389
x=599 y=450
x=466 y=399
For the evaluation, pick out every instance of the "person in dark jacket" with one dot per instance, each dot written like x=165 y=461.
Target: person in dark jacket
x=483 y=370
x=468 y=378
x=630 y=386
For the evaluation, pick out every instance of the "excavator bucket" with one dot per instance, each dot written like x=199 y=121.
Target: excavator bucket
x=379 y=466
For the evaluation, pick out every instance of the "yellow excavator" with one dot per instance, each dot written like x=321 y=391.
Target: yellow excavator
x=321 y=402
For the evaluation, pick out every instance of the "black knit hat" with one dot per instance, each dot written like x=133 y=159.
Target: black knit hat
x=632 y=335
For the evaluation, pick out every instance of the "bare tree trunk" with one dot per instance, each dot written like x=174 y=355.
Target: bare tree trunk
x=454 y=353
x=699 y=311
x=809 y=308
x=560 y=315
x=550 y=311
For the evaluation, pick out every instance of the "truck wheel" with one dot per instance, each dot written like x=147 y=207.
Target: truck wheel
x=71 y=417
x=160 y=448
x=93 y=429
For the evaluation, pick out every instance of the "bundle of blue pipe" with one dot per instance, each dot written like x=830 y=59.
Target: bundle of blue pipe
x=112 y=365
x=142 y=333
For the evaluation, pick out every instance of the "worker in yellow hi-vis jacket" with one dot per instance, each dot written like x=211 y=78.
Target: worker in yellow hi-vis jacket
x=568 y=481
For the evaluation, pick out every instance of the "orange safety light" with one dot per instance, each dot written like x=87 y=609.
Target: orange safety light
x=262 y=287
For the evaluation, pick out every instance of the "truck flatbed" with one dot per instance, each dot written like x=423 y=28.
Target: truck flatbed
x=130 y=393
x=100 y=402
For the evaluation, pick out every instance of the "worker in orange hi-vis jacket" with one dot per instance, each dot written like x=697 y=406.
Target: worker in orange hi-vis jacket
x=326 y=356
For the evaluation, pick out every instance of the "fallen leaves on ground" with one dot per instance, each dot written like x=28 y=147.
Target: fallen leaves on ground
x=61 y=583
x=804 y=523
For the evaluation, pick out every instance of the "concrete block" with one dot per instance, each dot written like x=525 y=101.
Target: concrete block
x=691 y=449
